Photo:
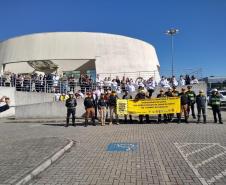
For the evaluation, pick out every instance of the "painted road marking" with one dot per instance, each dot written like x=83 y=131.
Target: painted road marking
x=199 y=150
x=217 y=177
x=196 y=172
x=210 y=159
x=195 y=168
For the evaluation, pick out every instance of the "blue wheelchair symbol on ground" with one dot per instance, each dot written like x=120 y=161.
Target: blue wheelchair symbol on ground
x=122 y=147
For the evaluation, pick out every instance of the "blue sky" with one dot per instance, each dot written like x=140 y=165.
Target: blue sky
x=201 y=42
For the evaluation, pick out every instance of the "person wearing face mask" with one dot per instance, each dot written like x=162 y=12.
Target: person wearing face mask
x=201 y=106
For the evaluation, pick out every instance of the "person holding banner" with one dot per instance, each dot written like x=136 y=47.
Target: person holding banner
x=127 y=97
x=176 y=93
x=184 y=105
x=169 y=93
x=112 y=102
x=161 y=95
x=140 y=96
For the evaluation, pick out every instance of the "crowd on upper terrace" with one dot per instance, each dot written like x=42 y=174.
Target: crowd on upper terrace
x=62 y=83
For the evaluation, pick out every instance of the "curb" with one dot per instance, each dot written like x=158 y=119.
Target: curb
x=45 y=164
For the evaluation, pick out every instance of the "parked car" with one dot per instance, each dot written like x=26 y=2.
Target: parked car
x=222 y=97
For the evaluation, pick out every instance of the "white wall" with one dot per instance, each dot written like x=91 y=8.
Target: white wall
x=115 y=53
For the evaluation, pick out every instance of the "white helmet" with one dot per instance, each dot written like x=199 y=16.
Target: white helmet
x=70 y=93
x=214 y=90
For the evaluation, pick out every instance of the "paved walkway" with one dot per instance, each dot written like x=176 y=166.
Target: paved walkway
x=166 y=154
x=19 y=156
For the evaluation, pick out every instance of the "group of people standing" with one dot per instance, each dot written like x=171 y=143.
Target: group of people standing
x=107 y=102
x=92 y=105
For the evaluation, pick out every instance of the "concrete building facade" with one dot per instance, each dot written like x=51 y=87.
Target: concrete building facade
x=101 y=53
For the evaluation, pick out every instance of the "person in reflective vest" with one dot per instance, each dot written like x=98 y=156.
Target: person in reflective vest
x=191 y=101
x=215 y=104
x=201 y=105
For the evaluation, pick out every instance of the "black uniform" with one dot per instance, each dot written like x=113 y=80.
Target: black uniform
x=71 y=103
x=201 y=107
x=127 y=97
x=215 y=104
x=140 y=96
x=169 y=94
x=191 y=102
x=176 y=93
x=160 y=115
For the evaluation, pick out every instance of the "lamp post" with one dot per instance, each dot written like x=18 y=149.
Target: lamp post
x=172 y=32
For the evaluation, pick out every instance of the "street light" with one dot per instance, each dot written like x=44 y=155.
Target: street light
x=172 y=32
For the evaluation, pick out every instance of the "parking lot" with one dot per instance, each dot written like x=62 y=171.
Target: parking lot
x=169 y=154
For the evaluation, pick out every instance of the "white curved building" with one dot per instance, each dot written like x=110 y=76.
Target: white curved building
x=104 y=54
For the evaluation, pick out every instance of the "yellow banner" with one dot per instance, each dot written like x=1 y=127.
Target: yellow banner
x=149 y=106
x=122 y=106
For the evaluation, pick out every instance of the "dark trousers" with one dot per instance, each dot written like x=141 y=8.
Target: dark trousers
x=216 y=111
x=141 y=118
x=201 y=110
x=192 y=108
x=69 y=113
x=160 y=117
x=130 y=118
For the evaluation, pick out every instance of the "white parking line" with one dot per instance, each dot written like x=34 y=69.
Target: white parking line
x=196 y=172
x=217 y=177
x=199 y=150
x=210 y=159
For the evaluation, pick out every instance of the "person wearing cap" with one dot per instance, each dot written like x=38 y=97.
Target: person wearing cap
x=112 y=102
x=90 y=109
x=140 y=96
x=161 y=95
x=191 y=101
x=126 y=96
x=201 y=105
x=71 y=104
x=169 y=94
x=102 y=105
x=215 y=104
x=176 y=93
x=184 y=105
